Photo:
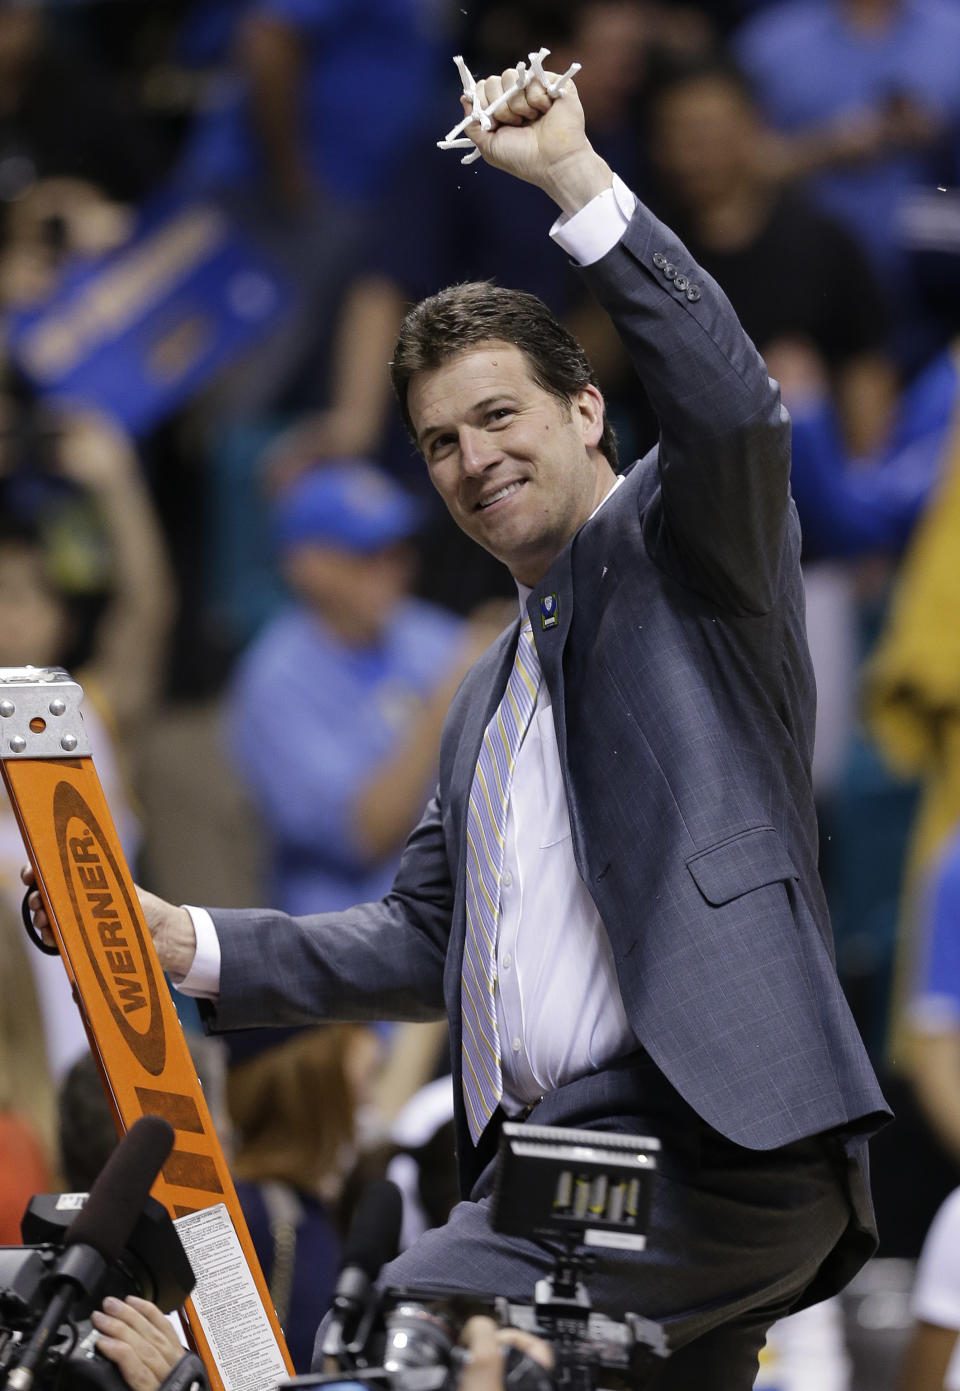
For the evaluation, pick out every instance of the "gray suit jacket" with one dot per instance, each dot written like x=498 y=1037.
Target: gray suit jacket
x=684 y=705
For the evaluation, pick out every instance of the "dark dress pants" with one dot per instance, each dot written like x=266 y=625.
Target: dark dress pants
x=735 y=1236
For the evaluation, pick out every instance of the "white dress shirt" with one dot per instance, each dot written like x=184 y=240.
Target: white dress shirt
x=559 y=1010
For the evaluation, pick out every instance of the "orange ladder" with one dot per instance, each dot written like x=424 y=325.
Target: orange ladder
x=129 y=1016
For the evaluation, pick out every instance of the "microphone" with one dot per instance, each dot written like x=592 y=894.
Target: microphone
x=371 y=1241
x=98 y=1234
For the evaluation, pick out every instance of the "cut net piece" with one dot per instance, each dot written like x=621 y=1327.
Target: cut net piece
x=483 y=115
x=466 y=77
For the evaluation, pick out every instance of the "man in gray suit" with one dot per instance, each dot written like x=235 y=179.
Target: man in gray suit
x=613 y=895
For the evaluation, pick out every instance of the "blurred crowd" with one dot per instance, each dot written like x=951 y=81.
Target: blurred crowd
x=213 y=214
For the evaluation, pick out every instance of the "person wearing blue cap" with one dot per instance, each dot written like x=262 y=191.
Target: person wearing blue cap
x=334 y=711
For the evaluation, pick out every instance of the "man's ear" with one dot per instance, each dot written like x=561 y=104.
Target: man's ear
x=588 y=408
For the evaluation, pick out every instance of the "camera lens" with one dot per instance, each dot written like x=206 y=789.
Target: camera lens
x=417 y=1337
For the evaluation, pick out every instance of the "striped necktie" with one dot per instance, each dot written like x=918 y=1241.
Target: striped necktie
x=486 y=827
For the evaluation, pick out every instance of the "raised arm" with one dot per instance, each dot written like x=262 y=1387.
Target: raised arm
x=723 y=524
x=129 y=652
x=272 y=56
x=723 y=517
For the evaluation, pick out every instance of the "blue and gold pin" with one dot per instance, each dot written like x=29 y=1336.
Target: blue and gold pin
x=549 y=611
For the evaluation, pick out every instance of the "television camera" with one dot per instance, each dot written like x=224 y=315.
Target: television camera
x=78 y=1249
x=577 y=1192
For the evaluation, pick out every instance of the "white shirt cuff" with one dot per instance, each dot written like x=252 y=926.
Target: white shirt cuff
x=202 y=981
x=586 y=236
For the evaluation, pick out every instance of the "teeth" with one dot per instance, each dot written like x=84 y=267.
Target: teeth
x=510 y=488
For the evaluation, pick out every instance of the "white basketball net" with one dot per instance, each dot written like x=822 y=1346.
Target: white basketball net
x=530 y=71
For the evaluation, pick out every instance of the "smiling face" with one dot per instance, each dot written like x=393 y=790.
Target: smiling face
x=518 y=468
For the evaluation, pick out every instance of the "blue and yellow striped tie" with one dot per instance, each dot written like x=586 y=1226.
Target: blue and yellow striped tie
x=486 y=826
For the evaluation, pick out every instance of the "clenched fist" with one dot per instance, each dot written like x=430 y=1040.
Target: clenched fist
x=540 y=139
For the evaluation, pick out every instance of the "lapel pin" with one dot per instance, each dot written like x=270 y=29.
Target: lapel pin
x=549 y=611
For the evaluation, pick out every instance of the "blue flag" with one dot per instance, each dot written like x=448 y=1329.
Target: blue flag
x=138 y=331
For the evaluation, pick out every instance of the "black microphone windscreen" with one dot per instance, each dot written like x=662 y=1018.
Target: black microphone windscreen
x=121 y=1189
x=374 y=1233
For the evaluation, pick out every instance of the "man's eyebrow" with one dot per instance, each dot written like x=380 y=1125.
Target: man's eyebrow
x=478 y=408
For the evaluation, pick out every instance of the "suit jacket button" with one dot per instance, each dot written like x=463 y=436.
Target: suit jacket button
x=693 y=294
x=681 y=283
x=659 y=260
x=670 y=271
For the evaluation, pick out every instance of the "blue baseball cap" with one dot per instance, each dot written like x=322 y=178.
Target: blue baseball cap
x=348 y=503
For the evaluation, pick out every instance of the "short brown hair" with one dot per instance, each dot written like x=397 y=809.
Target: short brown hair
x=464 y=316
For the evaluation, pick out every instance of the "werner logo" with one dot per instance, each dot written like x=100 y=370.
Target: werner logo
x=110 y=927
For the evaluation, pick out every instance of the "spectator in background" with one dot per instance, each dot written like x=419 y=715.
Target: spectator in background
x=83 y=584
x=421 y=1159
x=294 y=1098
x=932 y=1013
x=912 y=692
x=867 y=506
x=864 y=95
x=704 y=137
x=853 y=509
x=336 y=708
x=50 y=223
x=59 y=117
x=86 y=1126
x=931 y=1361
x=320 y=97
x=49 y=453
x=27 y=1145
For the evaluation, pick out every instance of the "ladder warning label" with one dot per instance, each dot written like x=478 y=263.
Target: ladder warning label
x=228 y=1306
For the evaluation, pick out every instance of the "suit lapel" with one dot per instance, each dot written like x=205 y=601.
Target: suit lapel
x=491 y=682
x=556 y=591
x=550 y=607
x=491 y=685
